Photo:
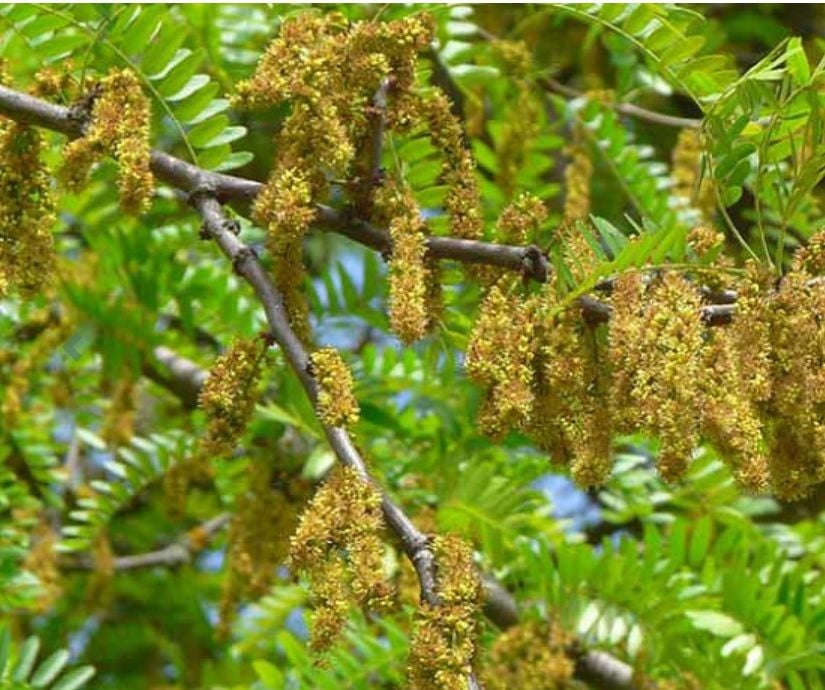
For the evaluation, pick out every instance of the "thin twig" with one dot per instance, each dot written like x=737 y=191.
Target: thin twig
x=177 y=553
x=372 y=174
x=625 y=108
x=529 y=260
x=177 y=374
x=227 y=188
x=218 y=227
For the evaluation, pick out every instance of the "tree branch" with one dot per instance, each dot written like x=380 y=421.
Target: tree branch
x=177 y=553
x=224 y=232
x=625 y=108
x=528 y=260
x=179 y=375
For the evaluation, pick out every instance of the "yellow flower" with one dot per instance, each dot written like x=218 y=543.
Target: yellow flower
x=410 y=275
x=228 y=397
x=444 y=643
x=119 y=127
x=27 y=213
x=336 y=404
x=338 y=546
x=530 y=655
x=500 y=356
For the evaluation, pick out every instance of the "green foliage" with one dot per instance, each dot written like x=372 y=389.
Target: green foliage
x=368 y=652
x=20 y=669
x=148 y=40
x=137 y=466
x=667 y=37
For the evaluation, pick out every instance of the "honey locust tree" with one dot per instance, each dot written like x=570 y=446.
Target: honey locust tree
x=429 y=347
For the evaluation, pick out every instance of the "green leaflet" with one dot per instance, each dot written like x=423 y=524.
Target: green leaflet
x=148 y=40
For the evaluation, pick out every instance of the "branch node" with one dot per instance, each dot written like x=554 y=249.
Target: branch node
x=243 y=254
x=534 y=264
x=202 y=190
x=231 y=225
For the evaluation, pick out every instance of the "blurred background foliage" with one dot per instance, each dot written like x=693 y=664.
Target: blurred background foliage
x=692 y=583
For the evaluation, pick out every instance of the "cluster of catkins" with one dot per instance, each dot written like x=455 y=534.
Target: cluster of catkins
x=338 y=547
x=444 y=647
x=336 y=404
x=754 y=388
x=119 y=127
x=229 y=395
x=27 y=213
x=531 y=655
x=329 y=70
x=688 y=187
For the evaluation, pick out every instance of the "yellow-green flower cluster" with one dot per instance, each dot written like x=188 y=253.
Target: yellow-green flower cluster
x=500 y=357
x=327 y=127
x=795 y=423
x=657 y=373
x=577 y=176
x=410 y=276
x=228 y=396
x=520 y=220
x=55 y=84
x=530 y=655
x=463 y=201
x=578 y=254
x=754 y=388
x=338 y=546
x=729 y=413
x=285 y=204
x=703 y=239
x=541 y=366
x=811 y=258
x=444 y=644
x=569 y=417
x=18 y=366
x=119 y=127
x=27 y=214
x=336 y=404
x=520 y=124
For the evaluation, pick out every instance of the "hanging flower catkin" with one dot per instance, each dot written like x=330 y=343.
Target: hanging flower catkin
x=796 y=428
x=228 y=397
x=686 y=170
x=521 y=122
x=444 y=644
x=265 y=515
x=500 y=357
x=520 y=220
x=656 y=355
x=409 y=273
x=570 y=414
x=119 y=127
x=27 y=213
x=463 y=201
x=530 y=655
x=320 y=137
x=337 y=545
x=336 y=403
